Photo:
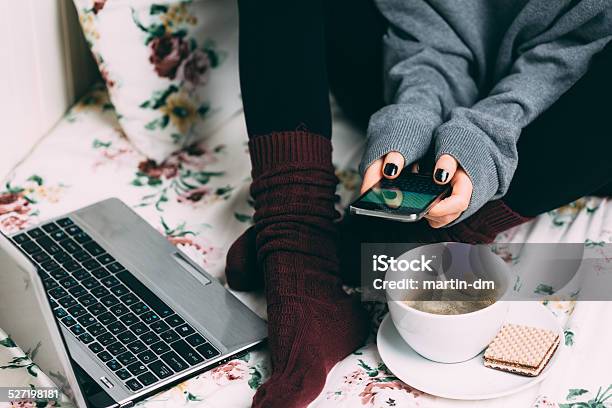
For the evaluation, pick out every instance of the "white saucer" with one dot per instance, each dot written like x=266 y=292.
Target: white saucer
x=469 y=380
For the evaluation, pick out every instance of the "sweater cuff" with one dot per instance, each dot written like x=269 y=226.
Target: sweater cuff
x=472 y=152
x=400 y=129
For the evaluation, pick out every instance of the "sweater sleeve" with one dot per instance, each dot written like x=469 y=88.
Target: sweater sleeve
x=483 y=138
x=426 y=73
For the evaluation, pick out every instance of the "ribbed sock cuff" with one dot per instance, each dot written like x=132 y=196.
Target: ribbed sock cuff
x=282 y=148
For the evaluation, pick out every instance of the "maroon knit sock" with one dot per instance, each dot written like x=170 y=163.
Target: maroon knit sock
x=241 y=268
x=313 y=323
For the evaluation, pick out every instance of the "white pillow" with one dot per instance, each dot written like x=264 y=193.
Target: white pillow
x=171 y=67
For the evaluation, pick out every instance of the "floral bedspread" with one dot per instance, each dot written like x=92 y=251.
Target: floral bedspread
x=199 y=200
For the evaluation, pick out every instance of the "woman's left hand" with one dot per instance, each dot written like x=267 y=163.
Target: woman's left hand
x=448 y=210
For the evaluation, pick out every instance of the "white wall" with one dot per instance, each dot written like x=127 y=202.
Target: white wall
x=44 y=67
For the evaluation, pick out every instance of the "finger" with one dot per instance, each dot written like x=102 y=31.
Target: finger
x=415 y=168
x=441 y=222
x=446 y=166
x=372 y=175
x=393 y=165
x=458 y=201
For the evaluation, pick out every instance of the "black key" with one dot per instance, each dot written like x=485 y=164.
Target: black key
x=145 y=294
x=93 y=248
x=96 y=347
x=137 y=347
x=96 y=309
x=50 y=227
x=77 y=310
x=67 y=301
x=195 y=340
x=109 y=300
x=58 y=235
x=57 y=293
x=59 y=274
x=36 y=233
x=87 y=300
x=49 y=265
x=129 y=299
x=160 y=369
x=107 y=318
x=126 y=337
x=51 y=247
x=208 y=351
x=65 y=222
x=139 y=308
x=77 y=329
x=82 y=238
x=129 y=319
x=160 y=347
x=139 y=329
x=68 y=282
x=81 y=256
x=126 y=358
x=96 y=329
x=123 y=374
x=149 y=317
x=91 y=264
x=119 y=290
x=113 y=365
x=59 y=313
x=185 y=330
x=119 y=310
x=169 y=336
x=109 y=282
x=30 y=247
x=81 y=274
x=105 y=259
x=147 y=357
x=100 y=292
x=73 y=230
x=147 y=379
x=77 y=291
x=137 y=368
x=86 y=338
x=116 y=348
x=106 y=339
x=53 y=303
x=21 y=238
x=62 y=257
x=86 y=320
x=70 y=246
x=69 y=321
x=100 y=273
x=71 y=266
x=50 y=284
x=90 y=283
x=188 y=353
x=133 y=384
x=115 y=267
x=41 y=257
x=174 y=361
x=159 y=327
x=116 y=328
x=149 y=338
x=104 y=356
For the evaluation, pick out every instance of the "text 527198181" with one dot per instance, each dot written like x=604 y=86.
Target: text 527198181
x=21 y=394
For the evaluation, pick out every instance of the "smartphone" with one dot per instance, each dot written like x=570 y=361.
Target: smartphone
x=406 y=198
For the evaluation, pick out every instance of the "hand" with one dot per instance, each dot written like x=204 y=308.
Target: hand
x=448 y=210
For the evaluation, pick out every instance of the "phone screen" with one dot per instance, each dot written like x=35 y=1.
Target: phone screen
x=408 y=194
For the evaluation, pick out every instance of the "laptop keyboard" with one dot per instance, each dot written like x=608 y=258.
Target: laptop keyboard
x=129 y=329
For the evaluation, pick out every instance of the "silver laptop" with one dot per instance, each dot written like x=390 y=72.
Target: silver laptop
x=116 y=312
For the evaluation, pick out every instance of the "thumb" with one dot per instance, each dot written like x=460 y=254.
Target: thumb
x=393 y=165
x=446 y=166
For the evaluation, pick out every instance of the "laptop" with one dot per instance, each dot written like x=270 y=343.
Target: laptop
x=115 y=312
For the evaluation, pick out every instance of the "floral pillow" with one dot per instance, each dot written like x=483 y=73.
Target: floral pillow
x=171 y=67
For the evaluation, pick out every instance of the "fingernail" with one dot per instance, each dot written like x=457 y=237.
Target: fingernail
x=441 y=175
x=390 y=169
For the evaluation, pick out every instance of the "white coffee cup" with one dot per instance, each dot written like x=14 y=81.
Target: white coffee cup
x=450 y=338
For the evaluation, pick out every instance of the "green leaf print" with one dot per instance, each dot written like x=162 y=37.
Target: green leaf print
x=158 y=9
x=242 y=217
x=597 y=402
x=255 y=380
x=36 y=178
x=97 y=143
x=192 y=397
x=569 y=338
x=7 y=342
x=544 y=289
x=575 y=392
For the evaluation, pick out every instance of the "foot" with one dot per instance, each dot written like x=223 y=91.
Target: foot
x=241 y=269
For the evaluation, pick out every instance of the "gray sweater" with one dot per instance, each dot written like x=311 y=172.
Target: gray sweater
x=468 y=75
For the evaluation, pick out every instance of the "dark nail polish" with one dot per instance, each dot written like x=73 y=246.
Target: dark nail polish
x=441 y=175
x=390 y=169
